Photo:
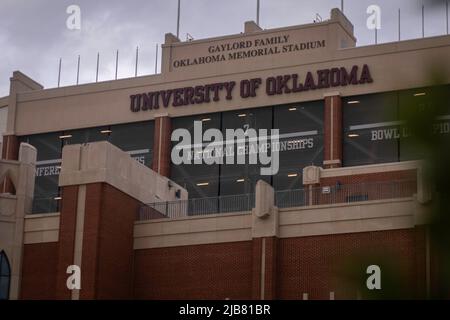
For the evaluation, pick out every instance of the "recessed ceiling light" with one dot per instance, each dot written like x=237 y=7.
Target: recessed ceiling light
x=240 y=180
x=353 y=102
x=105 y=131
x=291 y=175
x=353 y=135
x=292 y=109
x=241 y=115
x=206 y=119
x=57 y=198
x=201 y=184
x=419 y=94
x=65 y=136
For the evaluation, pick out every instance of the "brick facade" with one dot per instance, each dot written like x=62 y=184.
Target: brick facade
x=10 y=151
x=211 y=271
x=10 y=147
x=320 y=264
x=314 y=265
x=66 y=242
x=107 y=261
x=39 y=266
x=332 y=135
x=162 y=145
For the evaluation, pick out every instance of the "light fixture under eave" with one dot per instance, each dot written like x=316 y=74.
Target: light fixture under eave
x=240 y=180
x=202 y=184
x=105 y=131
x=419 y=94
x=353 y=135
x=292 y=109
x=292 y=175
x=206 y=119
x=65 y=136
x=242 y=115
x=57 y=198
x=353 y=102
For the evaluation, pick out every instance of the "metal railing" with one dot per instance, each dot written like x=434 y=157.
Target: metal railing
x=365 y=191
x=196 y=207
x=323 y=195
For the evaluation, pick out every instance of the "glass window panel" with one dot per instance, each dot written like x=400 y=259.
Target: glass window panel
x=371 y=129
x=136 y=139
x=48 y=164
x=241 y=178
x=433 y=106
x=301 y=141
x=5 y=276
x=200 y=180
x=4 y=288
x=4 y=266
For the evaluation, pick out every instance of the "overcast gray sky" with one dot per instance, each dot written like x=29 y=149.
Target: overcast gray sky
x=33 y=34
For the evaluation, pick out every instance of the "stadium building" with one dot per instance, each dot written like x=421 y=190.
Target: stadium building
x=87 y=176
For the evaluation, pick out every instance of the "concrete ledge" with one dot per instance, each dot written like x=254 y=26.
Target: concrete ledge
x=104 y=162
x=371 y=168
x=193 y=230
x=366 y=216
x=348 y=218
x=41 y=228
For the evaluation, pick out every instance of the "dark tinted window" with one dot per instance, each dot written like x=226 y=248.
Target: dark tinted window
x=301 y=141
x=134 y=138
x=201 y=180
x=48 y=164
x=241 y=178
x=5 y=276
x=426 y=105
x=371 y=129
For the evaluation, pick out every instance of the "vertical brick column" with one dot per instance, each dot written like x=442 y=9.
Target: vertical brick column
x=67 y=228
x=256 y=268
x=332 y=156
x=97 y=219
x=162 y=145
x=10 y=151
x=265 y=225
x=270 y=267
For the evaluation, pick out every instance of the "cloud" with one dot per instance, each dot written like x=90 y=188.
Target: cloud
x=33 y=34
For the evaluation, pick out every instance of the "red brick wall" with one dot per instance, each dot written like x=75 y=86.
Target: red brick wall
x=271 y=268
x=315 y=265
x=332 y=128
x=162 y=146
x=320 y=264
x=371 y=177
x=66 y=242
x=39 y=271
x=10 y=147
x=107 y=262
x=10 y=151
x=210 y=271
x=256 y=268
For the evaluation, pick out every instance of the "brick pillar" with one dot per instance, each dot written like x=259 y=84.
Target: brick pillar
x=332 y=156
x=98 y=212
x=10 y=151
x=96 y=234
x=162 y=145
x=265 y=222
x=423 y=279
x=256 y=268
x=67 y=228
